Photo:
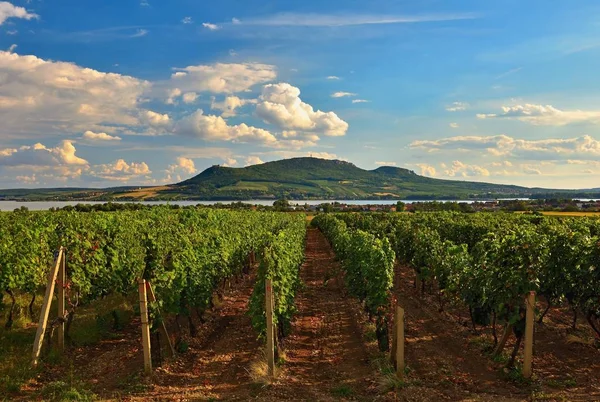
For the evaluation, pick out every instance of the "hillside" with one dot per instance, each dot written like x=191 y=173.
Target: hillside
x=306 y=178
x=300 y=179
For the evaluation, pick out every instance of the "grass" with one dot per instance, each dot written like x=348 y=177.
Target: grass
x=92 y=323
x=388 y=380
x=558 y=213
x=342 y=391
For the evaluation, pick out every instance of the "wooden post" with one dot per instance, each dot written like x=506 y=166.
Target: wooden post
x=41 y=329
x=145 y=326
x=399 y=342
x=270 y=333
x=163 y=327
x=529 y=318
x=62 y=280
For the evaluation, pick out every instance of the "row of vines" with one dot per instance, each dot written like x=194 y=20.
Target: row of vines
x=489 y=262
x=186 y=254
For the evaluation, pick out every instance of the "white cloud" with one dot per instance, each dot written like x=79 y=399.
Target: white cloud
x=229 y=162
x=280 y=104
x=329 y=20
x=182 y=164
x=545 y=115
x=212 y=27
x=39 y=155
x=509 y=72
x=235 y=21
x=360 y=101
x=457 y=107
x=385 y=163
x=12 y=48
x=502 y=145
x=215 y=128
x=7 y=10
x=121 y=170
x=155 y=119
x=230 y=104
x=38 y=95
x=459 y=168
x=172 y=95
x=222 y=77
x=454 y=125
x=253 y=160
x=139 y=33
x=528 y=169
x=333 y=77
x=342 y=94
x=189 y=97
x=426 y=170
x=90 y=135
x=187 y=20
x=144 y=3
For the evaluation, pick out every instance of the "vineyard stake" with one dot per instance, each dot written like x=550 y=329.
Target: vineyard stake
x=163 y=327
x=270 y=337
x=529 y=318
x=145 y=326
x=399 y=342
x=41 y=329
x=62 y=280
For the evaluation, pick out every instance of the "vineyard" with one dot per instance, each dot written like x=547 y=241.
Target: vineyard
x=218 y=281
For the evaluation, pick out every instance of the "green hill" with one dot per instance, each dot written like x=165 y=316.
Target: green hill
x=306 y=178
x=298 y=179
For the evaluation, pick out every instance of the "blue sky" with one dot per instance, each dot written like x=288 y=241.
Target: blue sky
x=134 y=92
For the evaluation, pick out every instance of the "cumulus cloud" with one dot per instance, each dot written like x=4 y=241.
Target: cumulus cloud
x=172 y=95
x=155 y=119
x=280 y=105
x=187 y=20
x=229 y=162
x=360 y=101
x=253 y=160
x=342 y=94
x=454 y=125
x=545 y=115
x=503 y=145
x=38 y=94
x=219 y=78
x=7 y=10
x=90 y=135
x=40 y=155
x=333 y=77
x=121 y=170
x=426 y=170
x=229 y=105
x=385 y=163
x=215 y=128
x=457 y=107
x=189 y=97
x=182 y=164
x=209 y=26
x=459 y=168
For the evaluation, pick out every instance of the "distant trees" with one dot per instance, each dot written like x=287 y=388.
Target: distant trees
x=400 y=206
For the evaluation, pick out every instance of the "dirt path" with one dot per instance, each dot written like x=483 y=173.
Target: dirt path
x=216 y=366
x=326 y=358
x=445 y=366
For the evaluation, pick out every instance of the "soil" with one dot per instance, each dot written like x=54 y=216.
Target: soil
x=330 y=354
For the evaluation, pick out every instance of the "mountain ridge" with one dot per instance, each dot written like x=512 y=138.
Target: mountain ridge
x=301 y=178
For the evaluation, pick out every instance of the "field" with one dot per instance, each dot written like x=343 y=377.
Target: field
x=461 y=280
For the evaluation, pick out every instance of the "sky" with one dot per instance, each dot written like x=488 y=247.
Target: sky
x=149 y=92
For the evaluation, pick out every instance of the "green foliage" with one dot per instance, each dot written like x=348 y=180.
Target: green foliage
x=368 y=262
x=491 y=261
x=184 y=253
x=280 y=261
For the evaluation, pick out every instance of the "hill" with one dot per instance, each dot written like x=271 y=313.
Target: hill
x=313 y=178
x=300 y=179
